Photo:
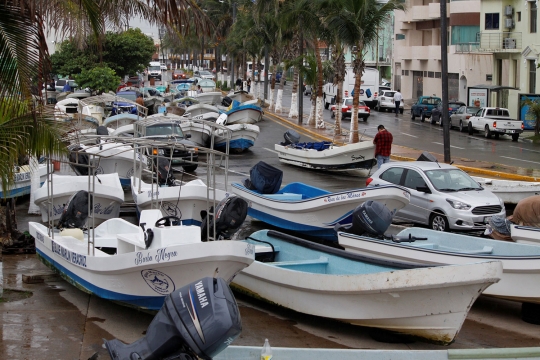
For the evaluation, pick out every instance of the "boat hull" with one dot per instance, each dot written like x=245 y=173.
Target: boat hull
x=188 y=202
x=510 y=191
x=201 y=134
x=143 y=278
x=244 y=114
x=108 y=196
x=23 y=181
x=243 y=136
x=520 y=280
x=525 y=234
x=318 y=215
x=429 y=303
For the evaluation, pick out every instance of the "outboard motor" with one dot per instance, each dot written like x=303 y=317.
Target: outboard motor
x=264 y=178
x=198 y=320
x=75 y=212
x=227 y=101
x=291 y=137
x=230 y=215
x=78 y=161
x=164 y=172
x=102 y=130
x=372 y=218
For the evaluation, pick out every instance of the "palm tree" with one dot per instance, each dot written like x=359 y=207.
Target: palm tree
x=534 y=110
x=356 y=23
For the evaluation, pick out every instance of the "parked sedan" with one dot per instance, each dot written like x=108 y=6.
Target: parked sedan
x=179 y=74
x=346 y=109
x=442 y=196
x=386 y=101
x=461 y=117
x=436 y=113
x=204 y=74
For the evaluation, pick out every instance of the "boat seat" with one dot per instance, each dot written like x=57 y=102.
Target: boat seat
x=309 y=265
x=284 y=197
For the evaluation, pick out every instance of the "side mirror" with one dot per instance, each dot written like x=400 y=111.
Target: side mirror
x=188 y=136
x=423 y=189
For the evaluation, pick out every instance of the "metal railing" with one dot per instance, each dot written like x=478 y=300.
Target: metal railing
x=467 y=47
x=499 y=41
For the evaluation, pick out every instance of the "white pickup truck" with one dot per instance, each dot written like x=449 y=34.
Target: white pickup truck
x=496 y=121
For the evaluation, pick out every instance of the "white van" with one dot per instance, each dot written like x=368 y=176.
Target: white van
x=249 y=72
x=154 y=70
x=370 y=81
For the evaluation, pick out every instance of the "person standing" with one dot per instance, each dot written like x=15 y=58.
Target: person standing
x=383 y=145
x=249 y=84
x=239 y=84
x=199 y=89
x=140 y=100
x=397 y=100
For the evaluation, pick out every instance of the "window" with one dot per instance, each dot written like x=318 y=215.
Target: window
x=400 y=36
x=518 y=16
x=464 y=34
x=492 y=21
x=532 y=77
x=392 y=175
x=534 y=17
x=430 y=74
x=414 y=180
x=437 y=75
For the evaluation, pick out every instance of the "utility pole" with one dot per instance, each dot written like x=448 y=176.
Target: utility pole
x=301 y=78
x=444 y=81
x=232 y=57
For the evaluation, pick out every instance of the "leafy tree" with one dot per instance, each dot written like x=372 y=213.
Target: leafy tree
x=100 y=79
x=127 y=52
x=70 y=60
x=534 y=110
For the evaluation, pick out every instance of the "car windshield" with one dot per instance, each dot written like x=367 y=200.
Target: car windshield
x=451 y=180
x=472 y=110
x=205 y=73
x=164 y=130
x=348 y=101
x=389 y=93
x=361 y=103
x=129 y=96
x=154 y=68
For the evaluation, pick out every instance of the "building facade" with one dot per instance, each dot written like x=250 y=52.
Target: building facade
x=417 y=49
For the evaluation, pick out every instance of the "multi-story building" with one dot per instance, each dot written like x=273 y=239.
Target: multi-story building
x=417 y=50
x=508 y=32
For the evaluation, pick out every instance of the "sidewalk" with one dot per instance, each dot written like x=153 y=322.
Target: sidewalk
x=401 y=153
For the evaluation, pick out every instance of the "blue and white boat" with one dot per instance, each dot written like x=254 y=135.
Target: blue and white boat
x=243 y=114
x=315 y=212
x=426 y=302
x=242 y=137
x=22 y=181
x=117 y=121
x=520 y=280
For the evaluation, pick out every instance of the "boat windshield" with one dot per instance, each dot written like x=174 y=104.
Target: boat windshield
x=164 y=130
x=451 y=180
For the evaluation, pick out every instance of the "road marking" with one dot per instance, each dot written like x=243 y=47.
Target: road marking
x=456 y=147
x=517 y=147
x=409 y=135
x=534 y=162
x=274 y=151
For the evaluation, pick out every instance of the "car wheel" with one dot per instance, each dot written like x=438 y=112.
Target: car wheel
x=530 y=313
x=423 y=118
x=450 y=124
x=365 y=118
x=515 y=137
x=333 y=115
x=461 y=126
x=412 y=115
x=497 y=136
x=190 y=168
x=401 y=111
x=438 y=222
x=487 y=132
x=469 y=127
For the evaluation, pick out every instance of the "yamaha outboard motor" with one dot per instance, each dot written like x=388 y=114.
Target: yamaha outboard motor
x=198 y=320
x=75 y=212
x=230 y=215
x=264 y=178
x=372 y=218
x=291 y=137
x=164 y=172
x=78 y=160
x=227 y=101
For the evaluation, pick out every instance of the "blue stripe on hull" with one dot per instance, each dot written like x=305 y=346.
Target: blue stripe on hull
x=320 y=232
x=125 y=182
x=144 y=302
x=242 y=144
x=25 y=190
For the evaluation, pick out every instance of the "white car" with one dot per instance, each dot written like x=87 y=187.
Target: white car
x=204 y=74
x=461 y=117
x=442 y=196
x=385 y=101
x=163 y=67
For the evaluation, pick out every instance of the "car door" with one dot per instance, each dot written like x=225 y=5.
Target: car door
x=417 y=209
x=457 y=116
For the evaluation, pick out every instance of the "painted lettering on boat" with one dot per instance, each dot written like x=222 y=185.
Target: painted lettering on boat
x=164 y=255
x=357 y=157
x=103 y=211
x=346 y=196
x=158 y=281
x=22 y=176
x=152 y=194
x=72 y=257
x=39 y=236
x=250 y=249
x=141 y=259
x=57 y=210
x=201 y=294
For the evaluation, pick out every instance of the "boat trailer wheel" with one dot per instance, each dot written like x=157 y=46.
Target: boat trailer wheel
x=168 y=221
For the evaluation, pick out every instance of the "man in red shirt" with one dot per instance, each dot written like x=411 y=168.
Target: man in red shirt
x=383 y=145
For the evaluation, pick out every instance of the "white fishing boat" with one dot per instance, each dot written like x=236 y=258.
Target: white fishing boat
x=53 y=195
x=22 y=181
x=244 y=114
x=243 y=136
x=122 y=262
x=520 y=280
x=211 y=97
x=199 y=109
x=108 y=157
x=358 y=157
x=510 y=191
x=525 y=234
x=189 y=202
x=315 y=212
x=66 y=107
x=199 y=130
x=430 y=303
x=120 y=120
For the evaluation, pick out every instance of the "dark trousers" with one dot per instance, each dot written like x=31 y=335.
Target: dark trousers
x=397 y=106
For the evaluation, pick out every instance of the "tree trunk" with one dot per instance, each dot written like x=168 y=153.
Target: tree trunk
x=358 y=68
x=319 y=120
x=293 y=112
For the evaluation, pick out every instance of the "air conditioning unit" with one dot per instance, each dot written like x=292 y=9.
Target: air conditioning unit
x=508 y=10
x=509 y=43
x=509 y=23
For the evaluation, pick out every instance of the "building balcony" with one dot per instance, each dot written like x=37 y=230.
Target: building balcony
x=434 y=11
x=467 y=47
x=430 y=52
x=499 y=41
x=419 y=13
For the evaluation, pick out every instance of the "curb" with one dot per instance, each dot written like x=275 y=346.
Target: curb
x=468 y=169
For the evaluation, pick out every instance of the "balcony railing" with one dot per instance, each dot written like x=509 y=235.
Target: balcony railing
x=499 y=41
x=467 y=47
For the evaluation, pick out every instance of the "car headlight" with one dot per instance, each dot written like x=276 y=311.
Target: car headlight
x=458 y=204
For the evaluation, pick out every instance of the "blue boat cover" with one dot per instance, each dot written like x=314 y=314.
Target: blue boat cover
x=264 y=178
x=319 y=146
